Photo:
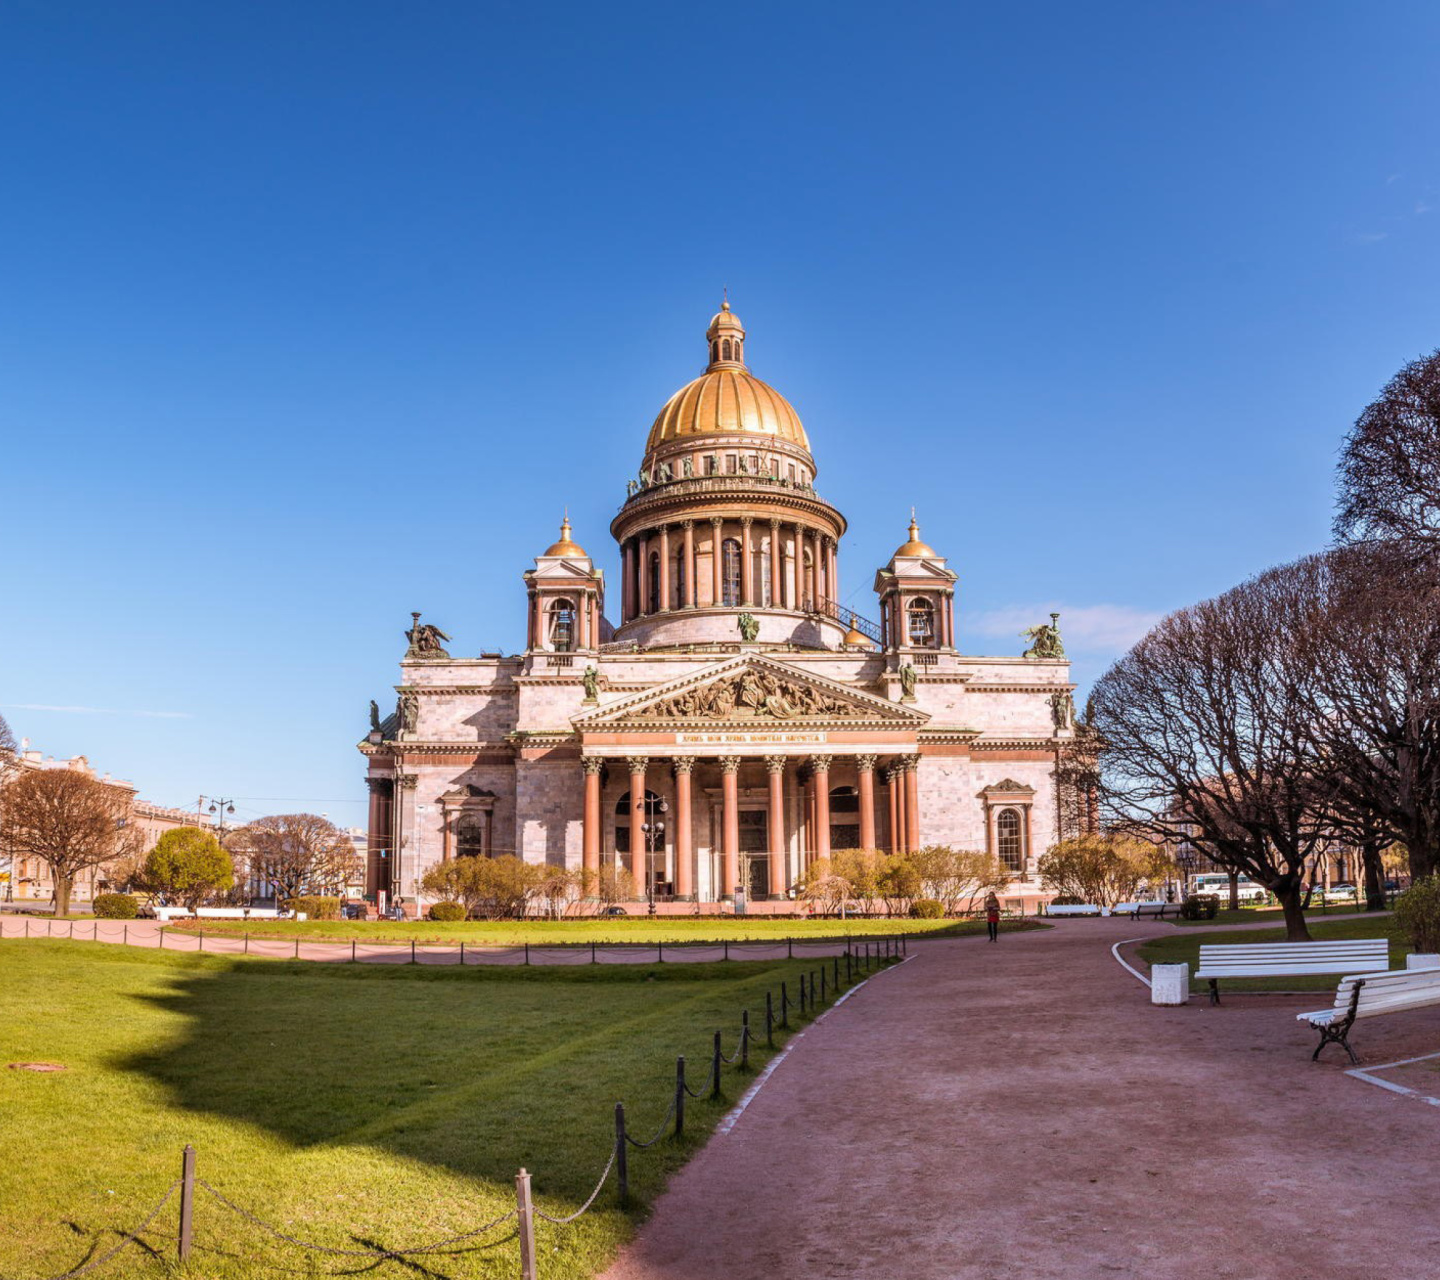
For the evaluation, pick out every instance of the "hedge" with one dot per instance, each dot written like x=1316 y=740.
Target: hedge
x=115 y=906
x=316 y=908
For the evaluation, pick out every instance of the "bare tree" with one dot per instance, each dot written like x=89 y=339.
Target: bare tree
x=69 y=821
x=297 y=853
x=1389 y=481
x=1205 y=737
x=7 y=741
x=1368 y=629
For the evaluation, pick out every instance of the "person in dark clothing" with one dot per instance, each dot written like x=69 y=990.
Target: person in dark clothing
x=992 y=916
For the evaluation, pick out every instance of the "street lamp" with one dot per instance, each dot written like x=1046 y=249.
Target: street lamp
x=654 y=832
x=1186 y=859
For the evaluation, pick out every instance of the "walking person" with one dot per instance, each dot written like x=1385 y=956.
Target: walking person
x=992 y=916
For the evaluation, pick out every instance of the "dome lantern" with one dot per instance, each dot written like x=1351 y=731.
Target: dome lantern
x=726 y=336
x=914 y=547
x=567 y=546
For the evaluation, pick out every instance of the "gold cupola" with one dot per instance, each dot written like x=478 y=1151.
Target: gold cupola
x=727 y=399
x=914 y=547
x=567 y=546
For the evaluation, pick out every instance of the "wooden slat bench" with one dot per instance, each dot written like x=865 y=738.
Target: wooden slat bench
x=1369 y=997
x=1087 y=909
x=1139 y=909
x=1290 y=959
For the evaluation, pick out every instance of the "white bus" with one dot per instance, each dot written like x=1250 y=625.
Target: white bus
x=1247 y=890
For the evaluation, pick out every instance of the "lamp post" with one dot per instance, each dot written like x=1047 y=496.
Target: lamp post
x=1186 y=859
x=654 y=832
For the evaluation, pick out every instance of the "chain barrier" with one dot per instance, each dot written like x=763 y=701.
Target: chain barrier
x=130 y=1237
x=569 y=1218
x=739 y=1049
x=659 y=1133
x=378 y=1254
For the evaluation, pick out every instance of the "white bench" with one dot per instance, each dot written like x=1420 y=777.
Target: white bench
x=1086 y=909
x=1356 y=997
x=1290 y=959
x=1138 y=909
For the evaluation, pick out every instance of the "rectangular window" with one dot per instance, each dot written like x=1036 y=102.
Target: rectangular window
x=792 y=473
x=712 y=464
x=732 y=465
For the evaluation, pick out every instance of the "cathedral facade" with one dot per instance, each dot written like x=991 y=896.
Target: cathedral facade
x=716 y=720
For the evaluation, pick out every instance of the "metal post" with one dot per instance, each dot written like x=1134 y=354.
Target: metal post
x=297 y=946
x=593 y=960
x=790 y=948
x=527 y=950
x=680 y=1096
x=802 y=995
x=125 y=938
x=659 y=953
x=187 y=1199
x=769 y=1020
x=462 y=955
x=525 y=1225
x=412 y=950
x=745 y=1040
x=727 y=947
x=352 y=950
x=621 y=1168
x=95 y=930
x=246 y=949
x=822 y=984
x=784 y=1006
x=715 y=1069
x=201 y=947
x=836 y=982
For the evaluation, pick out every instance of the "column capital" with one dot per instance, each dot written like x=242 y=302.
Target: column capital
x=865 y=763
x=592 y=764
x=910 y=763
x=774 y=522
x=663 y=526
x=830 y=542
x=683 y=764
x=747 y=521
x=407 y=781
x=378 y=785
x=776 y=764
x=729 y=764
x=638 y=764
x=717 y=521
x=687 y=524
x=820 y=764
x=893 y=771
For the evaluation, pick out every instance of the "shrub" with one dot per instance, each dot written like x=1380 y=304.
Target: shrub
x=115 y=906
x=447 y=911
x=928 y=909
x=316 y=908
x=1200 y=906
x=1417 y=912
x=1066 y=900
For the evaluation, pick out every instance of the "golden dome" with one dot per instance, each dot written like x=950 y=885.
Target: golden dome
x=727 y=401
x=566 y=547
x=914 y=547
x=855 y=635
x=724 y=321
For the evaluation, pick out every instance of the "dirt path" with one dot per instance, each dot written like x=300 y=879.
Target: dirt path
x=1021 y=1110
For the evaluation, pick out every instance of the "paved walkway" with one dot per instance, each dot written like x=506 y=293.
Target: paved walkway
x=1021 y=1110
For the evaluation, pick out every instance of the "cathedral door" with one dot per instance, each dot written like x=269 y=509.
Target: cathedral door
x=754 y=846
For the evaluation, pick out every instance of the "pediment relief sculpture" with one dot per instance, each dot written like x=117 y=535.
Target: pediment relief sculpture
x=752 y=694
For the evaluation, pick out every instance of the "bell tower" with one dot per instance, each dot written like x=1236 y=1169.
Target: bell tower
x=917 y=598
x=567 y=599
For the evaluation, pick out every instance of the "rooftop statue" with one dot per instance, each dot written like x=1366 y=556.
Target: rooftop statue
x=374 y=716
x=1044 y=640
x=425 y=640
x=749 y=628
x=907 y=682
x=591 y=681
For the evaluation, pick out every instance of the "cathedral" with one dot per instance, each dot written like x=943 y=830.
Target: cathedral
x=718 y=720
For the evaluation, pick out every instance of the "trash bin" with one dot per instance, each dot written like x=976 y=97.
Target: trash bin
x=1169 y=983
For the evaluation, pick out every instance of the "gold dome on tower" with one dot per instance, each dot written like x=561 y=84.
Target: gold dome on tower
x=914 y=547
x=566 y=546
x=727 y=399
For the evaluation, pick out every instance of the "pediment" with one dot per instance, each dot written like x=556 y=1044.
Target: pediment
x=748 y=691
x=555 y=569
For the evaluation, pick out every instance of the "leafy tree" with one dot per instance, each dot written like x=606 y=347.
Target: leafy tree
x=958 y=878
x=68 y=820
x=1102 y=870
x=493 y=888
x=1389 y=481
x=899 y=881
x=611 y=885
x=297 y=853
x=188 y=865
x=824 y=886
x=1417 y=912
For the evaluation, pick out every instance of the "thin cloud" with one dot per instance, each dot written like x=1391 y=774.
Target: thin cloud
x=1370 y=237
x=98 y=711
x=1091 y=627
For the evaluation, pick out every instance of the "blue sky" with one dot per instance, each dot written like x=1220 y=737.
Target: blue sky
x=311 y=315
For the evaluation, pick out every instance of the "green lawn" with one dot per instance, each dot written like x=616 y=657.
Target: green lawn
x=1254 y=915
x=614 y=929
x=1184 y=948
x=350 y=1105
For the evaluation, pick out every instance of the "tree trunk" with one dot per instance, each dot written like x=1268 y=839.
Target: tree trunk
x=1374 y=876
x=63 y=888
x=1234 y=891
x=1289 y=896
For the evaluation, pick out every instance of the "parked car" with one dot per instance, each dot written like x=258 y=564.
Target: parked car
x=614 y=911
x=353 y=911
x=1340 y=893
x=1247 y=892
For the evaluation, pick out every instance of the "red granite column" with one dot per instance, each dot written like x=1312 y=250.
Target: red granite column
x=729 y=825
x=865 y=766
x=912 y=803
x=776 y=766
x=642 y=580
x=663 y=604
x=747 y=565
x=892 y=790
x=777 y=597
x=684 y=849
x=690 y=596
x=637 y=818
x=821 y=765
x=590 y=855
x=717 y=540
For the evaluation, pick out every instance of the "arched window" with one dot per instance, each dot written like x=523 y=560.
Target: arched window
x=730 y=572
x=726 y=348
x=762 y=567
x=1008 y=841
x=844 y=818
x=470 y=837
x=562 y=626
x=922 y=624
x=677 y=579
x=714 y=352
x=654 y=596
